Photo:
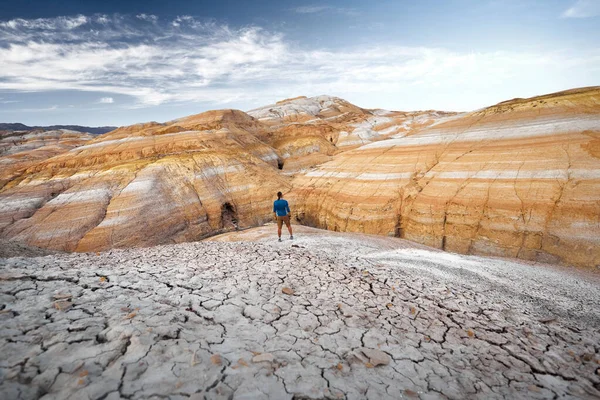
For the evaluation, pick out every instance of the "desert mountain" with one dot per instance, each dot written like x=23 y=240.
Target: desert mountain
x=20 y=150
x=144 y=185
x=17 y=126
x=516 y=179
x=309 y=131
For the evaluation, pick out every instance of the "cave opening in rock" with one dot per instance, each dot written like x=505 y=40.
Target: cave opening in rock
x=279 y=163
x=398 y=232
x=229 y=218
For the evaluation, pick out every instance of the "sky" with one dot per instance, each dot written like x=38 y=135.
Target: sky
x=122 y=62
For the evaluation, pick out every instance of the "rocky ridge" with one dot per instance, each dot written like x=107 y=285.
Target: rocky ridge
x=309 y=131
x=21 y=150
x=16 y=126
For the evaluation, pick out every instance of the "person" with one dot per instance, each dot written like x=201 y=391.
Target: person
x=281 y=208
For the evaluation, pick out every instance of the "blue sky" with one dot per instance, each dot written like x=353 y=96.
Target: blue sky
x=122 y=62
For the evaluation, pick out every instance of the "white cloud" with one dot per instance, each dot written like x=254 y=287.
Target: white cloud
x=147 y=17
x=319 y=9
x=186 y=60
x=106 y=100
x=583 y=9
x=102 y=19
x=311 y=9
x=184 y=20
x=58 y=23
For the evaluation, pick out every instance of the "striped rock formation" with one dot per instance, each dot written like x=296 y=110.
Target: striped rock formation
x=519 y=179
x=145 y=185
x=20 y=150
x=309 y=131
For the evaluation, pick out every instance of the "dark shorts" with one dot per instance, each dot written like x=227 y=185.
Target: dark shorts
x=281 y=220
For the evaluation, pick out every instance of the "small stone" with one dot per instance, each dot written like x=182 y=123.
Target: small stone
x=216 y=359
x=62 y=305
x=268 y=357
x=376 y=357
x=340 y=367
x=287 y=290
x=346 y=310
x=193 y=360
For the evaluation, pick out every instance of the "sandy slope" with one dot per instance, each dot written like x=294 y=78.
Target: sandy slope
x=327 y=315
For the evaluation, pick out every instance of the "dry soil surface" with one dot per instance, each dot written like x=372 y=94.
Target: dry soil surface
x=325 y=316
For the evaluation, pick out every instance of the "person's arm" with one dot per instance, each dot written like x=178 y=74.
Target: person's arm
x=287 y=208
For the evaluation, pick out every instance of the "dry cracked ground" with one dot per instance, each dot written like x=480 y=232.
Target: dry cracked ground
x=326 y=316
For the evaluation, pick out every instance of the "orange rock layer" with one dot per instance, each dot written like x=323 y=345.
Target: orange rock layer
x=20 y=150
x=519 y=179
x=140 y=186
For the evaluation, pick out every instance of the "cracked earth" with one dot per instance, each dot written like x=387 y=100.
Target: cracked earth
x=326 y=316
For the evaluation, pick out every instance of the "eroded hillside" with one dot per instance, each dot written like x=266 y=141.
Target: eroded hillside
x=309 y=131
x=20 y=150
x=518 y=179
x=144 y=185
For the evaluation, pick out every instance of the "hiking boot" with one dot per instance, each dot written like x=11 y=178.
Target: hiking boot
x=291 y=237
x=280 y=239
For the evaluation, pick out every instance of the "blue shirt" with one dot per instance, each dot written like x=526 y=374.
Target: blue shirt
x=281 y=208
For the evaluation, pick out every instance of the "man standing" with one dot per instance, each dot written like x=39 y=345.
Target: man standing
x=281 y=209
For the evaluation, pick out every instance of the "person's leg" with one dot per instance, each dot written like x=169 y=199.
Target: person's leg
x=289 y=225
x=279 y=225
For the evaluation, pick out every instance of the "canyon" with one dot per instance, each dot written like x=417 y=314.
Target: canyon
x=518 y=179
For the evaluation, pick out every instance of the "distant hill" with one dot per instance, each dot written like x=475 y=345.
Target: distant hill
x=22 y=127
